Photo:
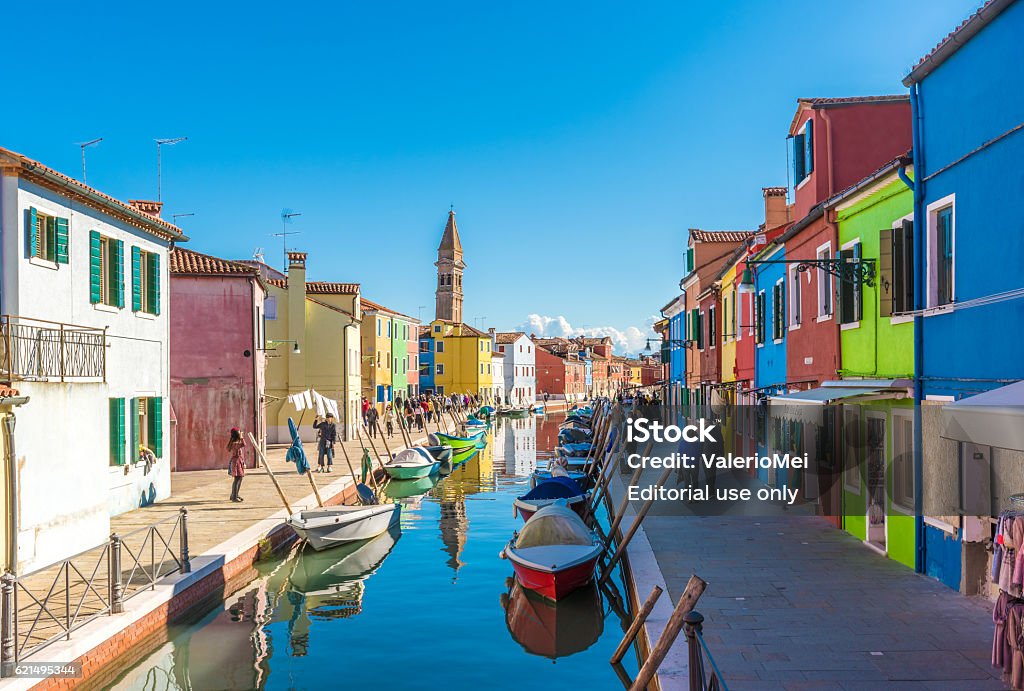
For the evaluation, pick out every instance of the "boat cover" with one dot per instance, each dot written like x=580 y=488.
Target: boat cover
x=555 y=488
x=556 y=524
x=575 y=434
x=413 y=456
x=581 y=448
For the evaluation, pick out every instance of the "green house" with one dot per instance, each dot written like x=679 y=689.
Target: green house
x=875 y=220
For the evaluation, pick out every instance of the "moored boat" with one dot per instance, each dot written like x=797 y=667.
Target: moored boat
x=412 y=464
x=329 y=526
x=458 y=444
x=555 y=553
x=574 y=450
x=547 y=493
x=541 y=474
x=440 y=452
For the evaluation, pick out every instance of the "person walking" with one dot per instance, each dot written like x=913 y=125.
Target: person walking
x=236 y=462
x=366 y=409
x=371 y=421
x=327 y=436
x=418 y=410
x=389 y=420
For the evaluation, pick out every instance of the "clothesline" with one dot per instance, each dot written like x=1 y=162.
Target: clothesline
x=312 y=400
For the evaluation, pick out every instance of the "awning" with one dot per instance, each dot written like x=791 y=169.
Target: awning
x=848 y=390
x=994 y=418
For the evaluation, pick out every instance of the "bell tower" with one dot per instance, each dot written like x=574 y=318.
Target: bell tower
x=449 y=273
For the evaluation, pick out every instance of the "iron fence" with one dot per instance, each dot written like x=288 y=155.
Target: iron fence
x=48 y=605
x=36 y=349
x=704 y=674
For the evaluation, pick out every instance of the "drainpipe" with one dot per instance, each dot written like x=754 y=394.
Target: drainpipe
x=11 y=461
x=920 y=225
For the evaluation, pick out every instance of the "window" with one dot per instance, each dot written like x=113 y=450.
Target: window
x=117 y=440
x=903 y=460
x=106 y=276
x=851 y=295
x=824 y=284
x=389 y=328
x=145 y=281
x=437 y=328
x=439 y=347
x=378 y=326
x=779 y=310
x=712 y=327
x=795 y=294
x=940 y=257
x=439 y=369
x=424 y=346
x=439 y=390
x=759 y=318
x=47 y=236
x=378 y=359
x=270 y=307
x=803 y=153
x=896 y=269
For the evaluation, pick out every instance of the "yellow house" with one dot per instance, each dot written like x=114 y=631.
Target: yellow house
x=312 y=333
x=636 y=368
x=455 y=358
x=376 y=359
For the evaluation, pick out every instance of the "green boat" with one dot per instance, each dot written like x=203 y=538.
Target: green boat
x=404 y=489
x=460 y=444
x=412 y=464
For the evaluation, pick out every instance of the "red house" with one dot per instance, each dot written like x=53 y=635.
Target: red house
x=216 y=356
x=835 y=143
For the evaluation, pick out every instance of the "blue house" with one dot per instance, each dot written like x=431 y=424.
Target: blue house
x=426 y=360
x=675 y=312
x=769 y=300
x=967 y=97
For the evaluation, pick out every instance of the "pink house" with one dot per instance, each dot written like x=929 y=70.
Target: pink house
x=217 y=357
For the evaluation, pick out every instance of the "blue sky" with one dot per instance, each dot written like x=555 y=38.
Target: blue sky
x=577 y=140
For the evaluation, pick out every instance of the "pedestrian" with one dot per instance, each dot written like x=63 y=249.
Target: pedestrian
x=371 y=421
x=409 y=417
x=425 y=405
x=389 y=420
x=328 y=435
x=418 y=410
x=366 y=409
x=236 y=462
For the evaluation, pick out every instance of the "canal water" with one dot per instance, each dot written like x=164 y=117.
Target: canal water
x=430 y=605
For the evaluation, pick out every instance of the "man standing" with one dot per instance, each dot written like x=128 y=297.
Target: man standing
x=327 y=435
x=371 y=421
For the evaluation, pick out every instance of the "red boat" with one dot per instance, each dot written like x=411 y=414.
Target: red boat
x=547 y=493
x=555 y=553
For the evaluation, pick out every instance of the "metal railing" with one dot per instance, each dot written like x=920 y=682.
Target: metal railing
x=47 y=605
x=36 y=349
x=703 y=672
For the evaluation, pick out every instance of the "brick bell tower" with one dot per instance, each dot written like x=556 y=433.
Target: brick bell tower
x=449 y=273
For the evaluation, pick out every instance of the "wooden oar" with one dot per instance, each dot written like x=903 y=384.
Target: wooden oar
x=273 y=478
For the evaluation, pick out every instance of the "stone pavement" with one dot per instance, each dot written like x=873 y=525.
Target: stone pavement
x=794 y=603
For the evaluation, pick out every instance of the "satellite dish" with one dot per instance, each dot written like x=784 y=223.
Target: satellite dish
x=258 y=255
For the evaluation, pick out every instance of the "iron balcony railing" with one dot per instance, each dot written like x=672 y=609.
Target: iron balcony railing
x=39 y=350
x=47 y=605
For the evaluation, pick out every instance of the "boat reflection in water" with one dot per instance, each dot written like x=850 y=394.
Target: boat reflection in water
x=553 y=629
x=410 y=493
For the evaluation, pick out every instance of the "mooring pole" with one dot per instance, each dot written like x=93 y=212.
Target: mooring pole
x=116 y=588
x=694 y=589
x=8 y=625
x=634 y=628
x=186 y=563
x=634 y=528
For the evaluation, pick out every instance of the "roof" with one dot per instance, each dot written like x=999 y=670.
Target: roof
x=334 y=308
x=495 y=353
x=841 y=101
x=37 y=172
x=185 y=261
x=698 y=235
x=450 y=239
x=320 y=287
x=266 y=270
x=956 y=39
x=7 y=392
x=467 y=330
x=506 y=337
x=370 y=306
x=886 y=170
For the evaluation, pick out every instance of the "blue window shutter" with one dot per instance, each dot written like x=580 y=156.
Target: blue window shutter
x=799 y=159
x=61 y=235
x=154 y=282
x=95 y=259
x=136 y=279
x=809 y=148
x=119 y=274
x=31 y=231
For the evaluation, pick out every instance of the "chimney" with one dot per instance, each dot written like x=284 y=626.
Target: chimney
x=296 y=316
x=147 y=207
x=776 y=212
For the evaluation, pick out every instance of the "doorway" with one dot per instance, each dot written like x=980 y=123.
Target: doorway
x=875 y=471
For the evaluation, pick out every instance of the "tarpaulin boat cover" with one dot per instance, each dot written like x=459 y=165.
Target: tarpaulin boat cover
x=577 y=448
x=413 y=456
x=554 y=525
x=555 y=488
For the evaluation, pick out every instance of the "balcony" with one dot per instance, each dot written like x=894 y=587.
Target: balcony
x=38 y=350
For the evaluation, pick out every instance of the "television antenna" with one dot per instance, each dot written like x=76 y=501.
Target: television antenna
x=258 y=255
x=160 y=143
x=286 y=217
x=83 y=146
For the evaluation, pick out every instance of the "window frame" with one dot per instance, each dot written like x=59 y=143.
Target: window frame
x=825 y=286
x=932 y=212
x=900 y=418
x=794 y=295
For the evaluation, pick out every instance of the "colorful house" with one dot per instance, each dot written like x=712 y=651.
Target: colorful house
x=969 y=316
x=520 y=378
x=675 y=349
x=458 y=358
x=386 y=358
x=313 y=343
x=217 y=371
x=84 y=335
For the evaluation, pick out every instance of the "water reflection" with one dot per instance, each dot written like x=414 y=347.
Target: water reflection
x=554 y=629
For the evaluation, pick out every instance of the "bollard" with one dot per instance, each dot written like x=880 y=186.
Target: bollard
x=691 y=627
x=8 y=626
x=116 y=588
x=186 y=565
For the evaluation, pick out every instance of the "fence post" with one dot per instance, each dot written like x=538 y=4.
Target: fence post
x=186 y=566
x=116 y=592
x=8 y=625
x=691 y=628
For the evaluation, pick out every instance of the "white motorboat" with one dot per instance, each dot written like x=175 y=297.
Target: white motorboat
x=335 y=525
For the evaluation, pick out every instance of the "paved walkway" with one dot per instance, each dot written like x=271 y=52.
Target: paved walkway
x=794 y=603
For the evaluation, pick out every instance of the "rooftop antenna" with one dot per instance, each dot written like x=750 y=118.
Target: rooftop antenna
x=160 y=143
x=175 y=217
x=419 y=314
x=258 y=255
x=286 y=217
x=83 y=146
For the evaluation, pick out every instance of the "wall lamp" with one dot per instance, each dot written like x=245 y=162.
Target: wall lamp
x=272 y=345
x=855 y=270
x=672 y=342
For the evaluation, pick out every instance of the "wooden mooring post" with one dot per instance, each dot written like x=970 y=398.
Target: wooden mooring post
x=687 y=601
x=634 y=628
x=621 y=549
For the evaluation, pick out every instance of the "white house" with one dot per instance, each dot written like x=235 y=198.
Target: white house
x=520 y=365
x=83 y=335
x=498 y=376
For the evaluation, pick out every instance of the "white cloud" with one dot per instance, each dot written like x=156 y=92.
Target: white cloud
x=629 y=340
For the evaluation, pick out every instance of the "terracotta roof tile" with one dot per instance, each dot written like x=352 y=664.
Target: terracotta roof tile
x=369 y=305
x=185 y=261
x=506 y=337
x=7 y=392
x=698 y=235
x=320 y=287
x=852 y=100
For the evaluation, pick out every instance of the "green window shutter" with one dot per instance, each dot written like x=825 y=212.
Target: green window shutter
x=61 y=244
x=887 y=251
x=906 y=268
x=119 y=274
x=117 y=431
x=156 y=426
x=95 y=258
x=136 y=279
x=799 y=159
x=858 y=287
x=134 y=448
x=808 y=148
x=31 y=231
x=154 y=283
